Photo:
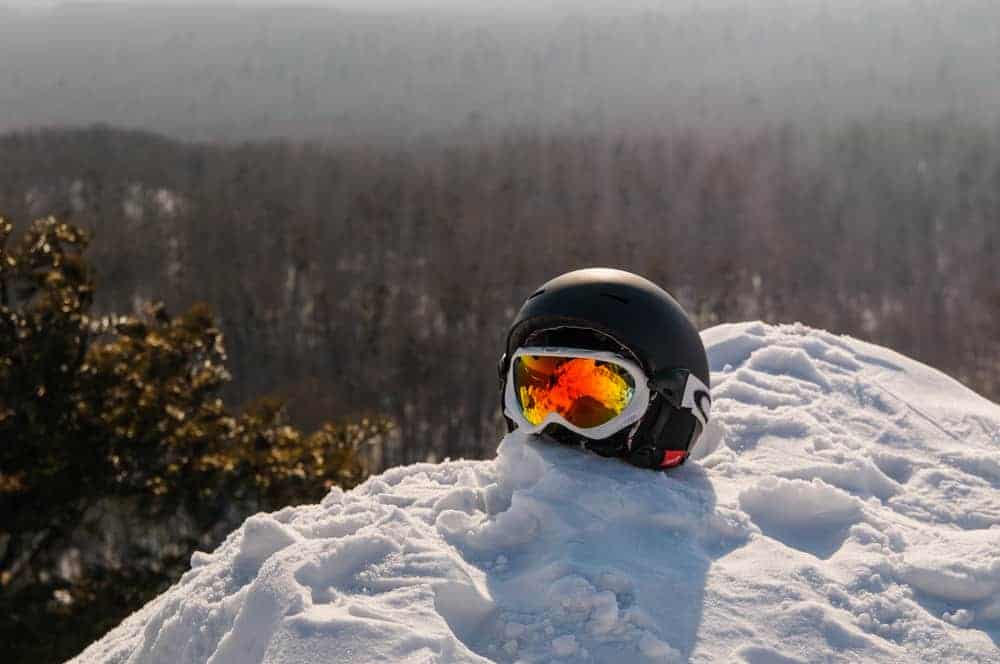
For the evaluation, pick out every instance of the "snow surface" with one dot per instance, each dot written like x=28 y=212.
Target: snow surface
x=843 y=506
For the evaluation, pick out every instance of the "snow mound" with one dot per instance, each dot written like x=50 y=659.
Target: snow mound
x=844 y=506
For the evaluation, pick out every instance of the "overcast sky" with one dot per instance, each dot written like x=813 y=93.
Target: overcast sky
x=471 y=4
x=345 y=3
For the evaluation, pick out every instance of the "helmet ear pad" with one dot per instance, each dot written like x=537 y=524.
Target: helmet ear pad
x=679 y=432
x=663 y=428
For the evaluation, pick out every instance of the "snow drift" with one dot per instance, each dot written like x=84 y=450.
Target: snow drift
x=844 y=505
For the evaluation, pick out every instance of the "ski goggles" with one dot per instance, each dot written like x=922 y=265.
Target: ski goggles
x=594 y=393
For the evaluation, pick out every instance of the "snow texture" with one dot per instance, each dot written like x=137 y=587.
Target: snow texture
x=843 y=506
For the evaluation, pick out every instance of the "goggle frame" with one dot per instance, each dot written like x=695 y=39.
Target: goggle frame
x=695 y=397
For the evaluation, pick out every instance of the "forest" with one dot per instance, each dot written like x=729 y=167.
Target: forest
x=374 y=279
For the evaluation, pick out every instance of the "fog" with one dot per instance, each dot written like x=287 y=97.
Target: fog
x=533 y=7
x=505 y=5
x=401 y=69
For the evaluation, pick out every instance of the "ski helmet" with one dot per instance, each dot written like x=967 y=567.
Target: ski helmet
x=612 y=310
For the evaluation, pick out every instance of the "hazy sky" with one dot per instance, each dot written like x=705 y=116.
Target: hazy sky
x=377 y=4
x=208 y=71
x=472 y=4
x=346 y=3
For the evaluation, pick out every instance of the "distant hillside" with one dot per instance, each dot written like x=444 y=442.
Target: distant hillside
x=366 y=277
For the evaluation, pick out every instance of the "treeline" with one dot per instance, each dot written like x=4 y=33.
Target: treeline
x=382 y=279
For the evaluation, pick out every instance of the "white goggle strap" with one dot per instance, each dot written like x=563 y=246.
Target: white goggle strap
x=697 y=399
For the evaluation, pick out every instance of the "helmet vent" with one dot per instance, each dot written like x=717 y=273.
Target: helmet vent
x=616 y=297
x=536 y=293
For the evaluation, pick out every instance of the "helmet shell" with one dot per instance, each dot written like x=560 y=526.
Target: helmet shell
x=632 y=310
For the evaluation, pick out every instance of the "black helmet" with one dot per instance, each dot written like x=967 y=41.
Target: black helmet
x=613 y=310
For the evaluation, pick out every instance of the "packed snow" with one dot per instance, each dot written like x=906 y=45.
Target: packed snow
x=843 y=506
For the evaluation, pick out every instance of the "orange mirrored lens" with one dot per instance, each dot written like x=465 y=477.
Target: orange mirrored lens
x=586 y=392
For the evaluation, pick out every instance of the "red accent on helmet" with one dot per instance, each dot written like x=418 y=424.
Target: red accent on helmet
x=673 y=458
